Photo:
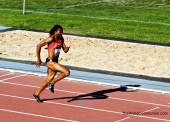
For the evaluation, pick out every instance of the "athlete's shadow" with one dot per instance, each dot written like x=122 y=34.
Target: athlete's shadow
x=97 y=94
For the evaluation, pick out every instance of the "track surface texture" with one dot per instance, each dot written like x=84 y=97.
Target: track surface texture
x=75 y=101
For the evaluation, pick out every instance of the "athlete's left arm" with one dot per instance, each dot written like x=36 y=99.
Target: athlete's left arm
x=66 y=46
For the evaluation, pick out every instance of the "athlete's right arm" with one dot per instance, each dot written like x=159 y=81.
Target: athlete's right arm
x=38 y=49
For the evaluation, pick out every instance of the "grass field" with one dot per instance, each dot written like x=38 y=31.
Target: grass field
x=144 y=20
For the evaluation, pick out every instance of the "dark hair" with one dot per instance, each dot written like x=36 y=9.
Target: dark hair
x=54 y=29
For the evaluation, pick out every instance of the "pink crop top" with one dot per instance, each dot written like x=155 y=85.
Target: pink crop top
x=55 y=45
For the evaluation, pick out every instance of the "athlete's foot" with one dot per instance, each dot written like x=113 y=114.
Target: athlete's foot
x=51 y=87
x=37 y=98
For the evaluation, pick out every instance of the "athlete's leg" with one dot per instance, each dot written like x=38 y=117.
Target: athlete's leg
x=50 y=76
x=64 y=72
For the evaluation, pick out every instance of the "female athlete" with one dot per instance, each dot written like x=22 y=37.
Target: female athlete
x=55 y=42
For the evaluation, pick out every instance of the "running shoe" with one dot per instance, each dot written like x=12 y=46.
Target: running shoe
x=51 y=87
x=37 y=98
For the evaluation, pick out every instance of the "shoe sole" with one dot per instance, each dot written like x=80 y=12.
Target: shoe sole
x=37 y=99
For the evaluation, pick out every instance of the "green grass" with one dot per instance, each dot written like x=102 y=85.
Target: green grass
x=143 y=20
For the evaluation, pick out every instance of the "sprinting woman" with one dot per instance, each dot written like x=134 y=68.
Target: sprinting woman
x=55 y=42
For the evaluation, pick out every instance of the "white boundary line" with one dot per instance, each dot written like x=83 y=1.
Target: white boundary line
x=110 y=84
x=88 y=81
x=90 y=17
x=37 y=115
x=46 y=88
x=6 y=74
x=151 y=109
x=63 y=104
x=89 y=108
x=20 y=71
x=122 y=119
x=12 y=77
x=162 y=105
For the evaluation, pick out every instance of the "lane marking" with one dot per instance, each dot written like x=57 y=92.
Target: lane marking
x=38 y=87
x=151 y=109
x=6 y=74
x=89 y=108
x=37 y=115
x=128 y=100
x=88 y=81
x=91 y=17
x=122 y=119
x=61 y=104
x=12 y=77
x=140 y=102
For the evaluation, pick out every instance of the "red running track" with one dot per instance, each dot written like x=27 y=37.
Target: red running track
x=75 y=101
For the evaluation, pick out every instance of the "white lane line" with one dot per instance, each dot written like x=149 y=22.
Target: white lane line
x=88 y=81
x=95 y=109
x=61 y=104
x=162 y=105
x=140 y=102
x=122 y=119
x=6 y=74
x=151 y=109
x=38 y=87
x=92 y=17
x=13 y=77
x=37 y=115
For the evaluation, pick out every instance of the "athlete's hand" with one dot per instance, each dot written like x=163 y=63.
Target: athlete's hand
x=38 y=63
x=69 y=43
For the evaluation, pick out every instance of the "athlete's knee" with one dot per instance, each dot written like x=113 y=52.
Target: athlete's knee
x=67 y=73
x=49 y=64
